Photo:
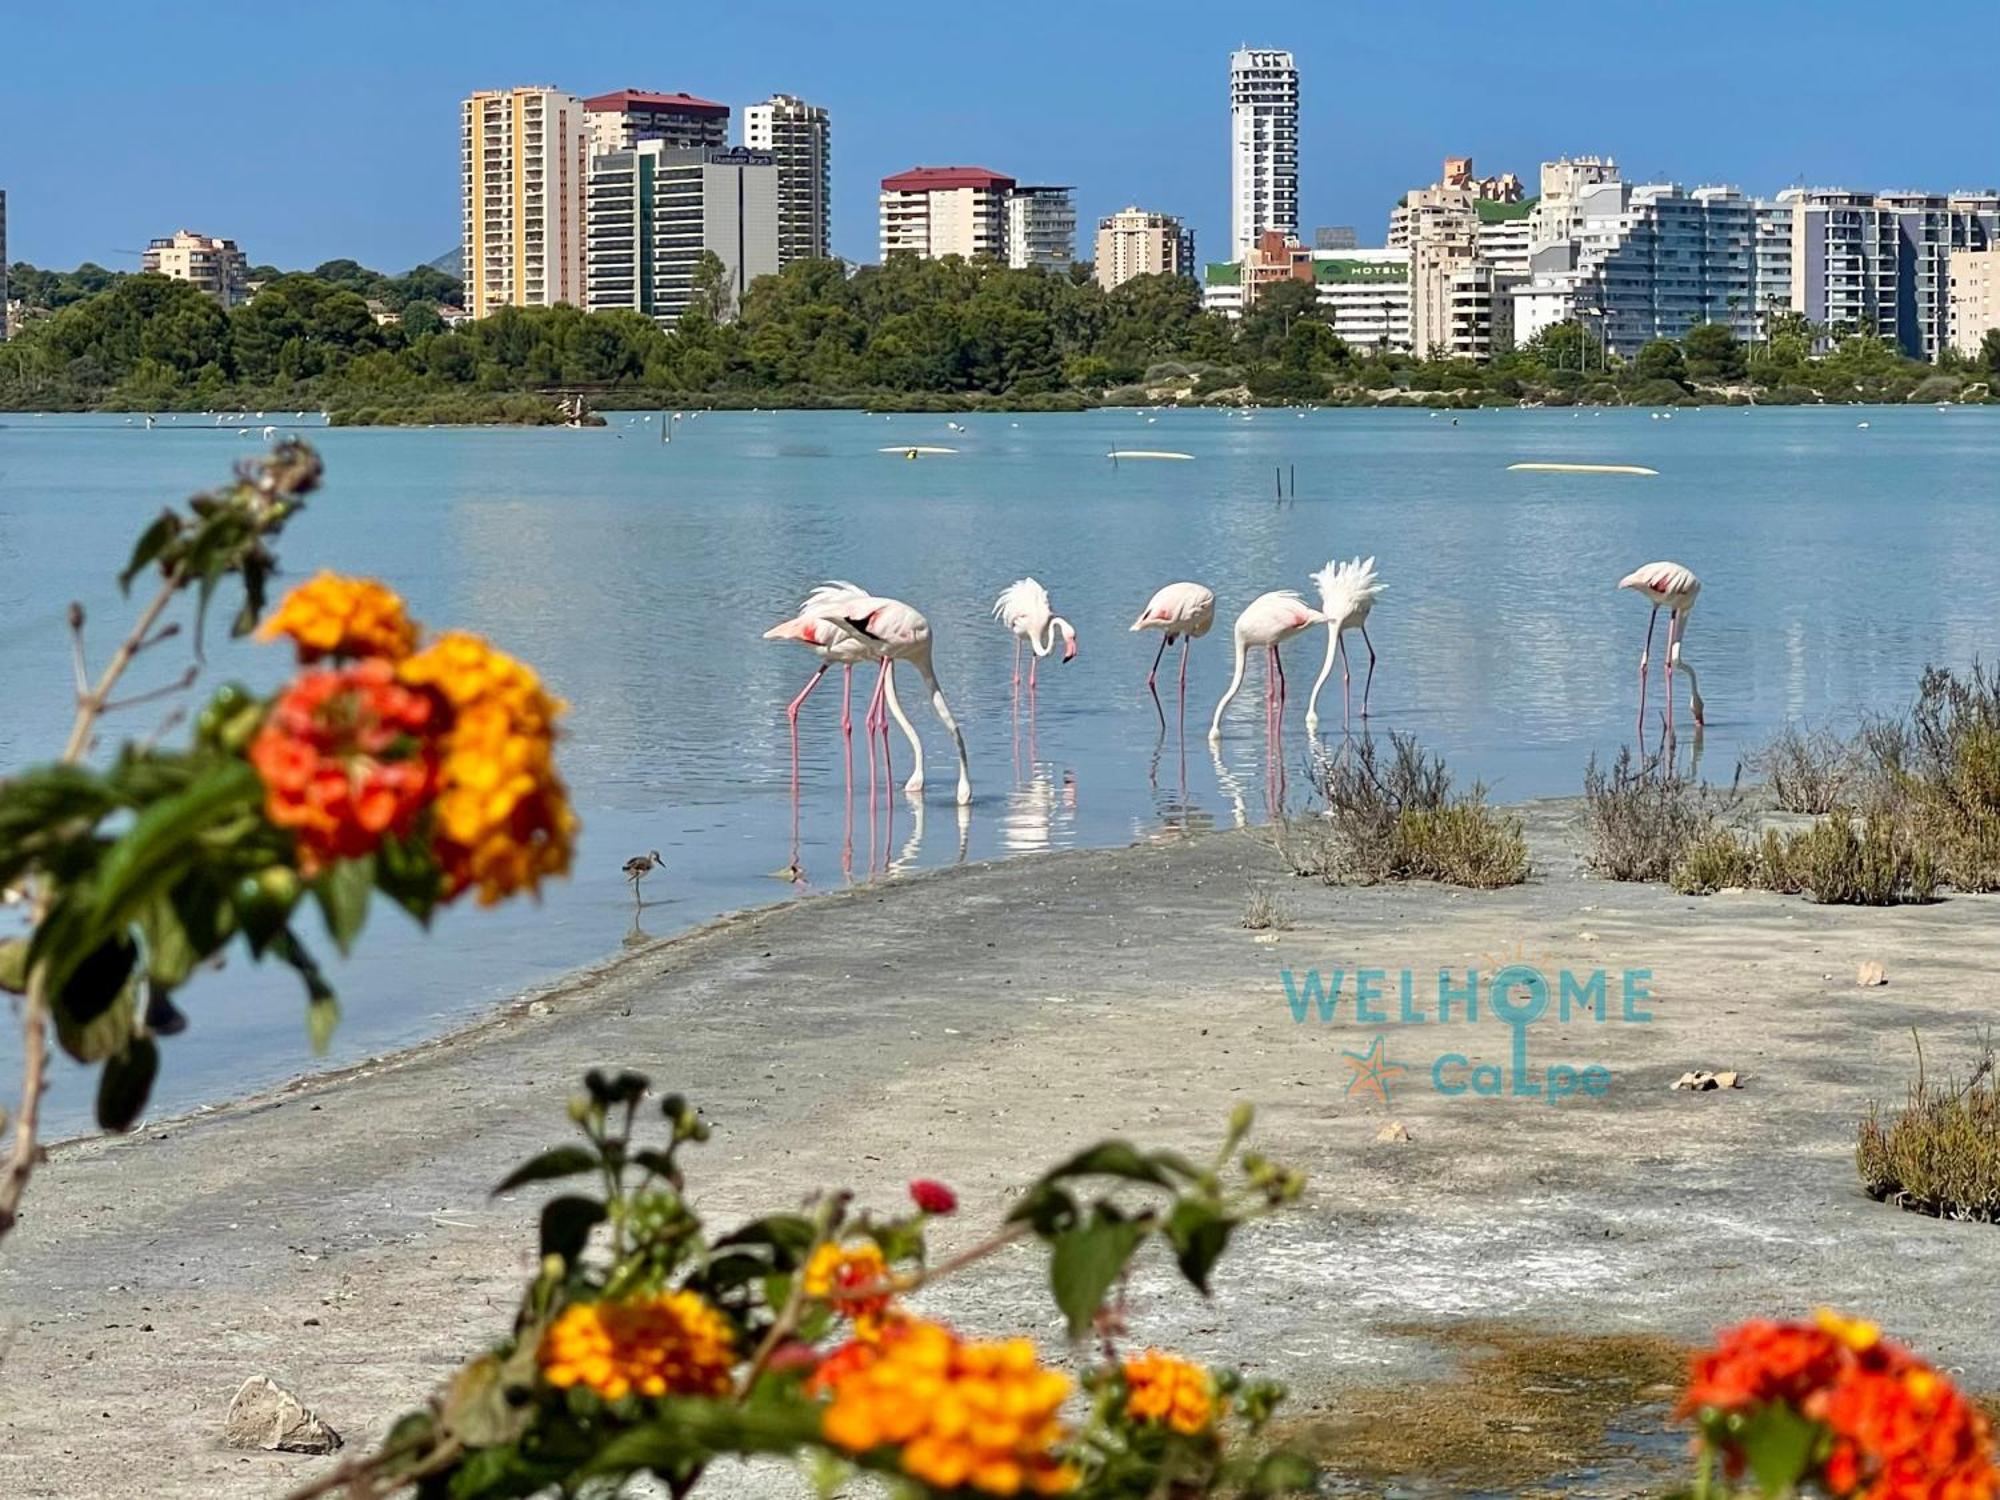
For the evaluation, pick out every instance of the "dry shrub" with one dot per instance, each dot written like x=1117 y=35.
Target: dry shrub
x=1398 y=819
x=1947 y=771
x=1807 y=770
x=1940 y=1154
x=1641 y=823
x=1877 y=864
x=1264 y=912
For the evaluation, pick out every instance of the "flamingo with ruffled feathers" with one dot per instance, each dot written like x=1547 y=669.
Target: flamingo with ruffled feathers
x=1269 y=621
x=1674 y=588
x=837 y=647
x=1023 y=607
x=898 y=632
x=1347 y=592
x=1179 y=611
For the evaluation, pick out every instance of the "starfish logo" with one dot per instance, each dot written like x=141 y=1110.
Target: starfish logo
x=1372 y=1070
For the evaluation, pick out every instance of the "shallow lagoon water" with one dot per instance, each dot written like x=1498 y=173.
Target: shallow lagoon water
x=638 y=576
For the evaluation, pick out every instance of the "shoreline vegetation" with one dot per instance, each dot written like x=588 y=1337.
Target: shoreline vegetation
x=916 y=336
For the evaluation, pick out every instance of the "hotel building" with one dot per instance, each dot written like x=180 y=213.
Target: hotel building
x=525 y=166
x=655 y=209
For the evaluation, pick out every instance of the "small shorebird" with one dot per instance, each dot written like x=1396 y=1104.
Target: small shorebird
x=1180 y=610
x=1347 y=592
x=1023 y=607
x=1269 y=621
x=1671 y=587
x=637 y=868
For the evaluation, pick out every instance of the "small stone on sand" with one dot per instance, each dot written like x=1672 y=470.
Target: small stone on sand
x=1870 y=973
x=1701 y=1081
x=1395 y=1130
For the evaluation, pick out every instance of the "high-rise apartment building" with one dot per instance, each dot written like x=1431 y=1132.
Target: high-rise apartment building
x=1554 y=218
x=1263 y=147
x=798 y=136
x=1974 y=300
x=655 y=210
x=1041 y=228
x=626 y=117
x=931 y=212
x=525 y=168
x=214 y=267
x=1133 y=242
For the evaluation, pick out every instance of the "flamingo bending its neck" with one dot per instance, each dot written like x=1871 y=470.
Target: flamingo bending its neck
x=1180 y=610
x=897 y=632
x=1269 y=621
x=836 y=647
x=1672 y=587
x=1023 y=607
x=1347 y=592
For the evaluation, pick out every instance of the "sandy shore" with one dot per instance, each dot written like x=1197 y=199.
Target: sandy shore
x=973 y=1025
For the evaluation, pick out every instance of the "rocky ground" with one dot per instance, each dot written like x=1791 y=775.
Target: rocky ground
x=972 y=1026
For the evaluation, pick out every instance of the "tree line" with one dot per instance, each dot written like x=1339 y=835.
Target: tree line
x=912 y=332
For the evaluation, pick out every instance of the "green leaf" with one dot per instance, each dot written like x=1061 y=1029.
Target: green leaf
x=94 y=1007
x=161 y=841
x=563 y=1161
x=322 y=1020
x=1086 y=1262
x=45 y=808
x=1779 y=1445
x=126 y=1083
x=152 y=542
x=790 y=1236
x=1283 y=1473
x=286 y=947
x=14 y=966
x=1199 y=1234
x=1048 y=1208
x=1112 y=1159
x=170 y=955
x=566 y=1225
x=408 y=874
x=343 y=899
x=477 y=1408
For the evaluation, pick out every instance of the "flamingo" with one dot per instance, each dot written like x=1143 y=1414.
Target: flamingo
x=1184 y=610
x=1023 y=607
x=837 y=647
x=636 y=870
x=1672 y=587
x=899 y=632
x=1269 y=621
x=1347 y=592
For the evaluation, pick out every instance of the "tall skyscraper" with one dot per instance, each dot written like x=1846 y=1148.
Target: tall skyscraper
x=931 y=212
x=654 y=210
x=525 y=169
x=1263 y=147
x=1041 y=228
x=215 y=267
x=622 y=119
x=798 y=136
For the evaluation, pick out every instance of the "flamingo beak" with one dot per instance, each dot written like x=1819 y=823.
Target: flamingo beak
x=1069 y=649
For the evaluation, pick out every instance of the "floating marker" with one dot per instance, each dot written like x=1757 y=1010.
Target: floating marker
x=1149 y=453
x=915 y=451
x=1579 y=469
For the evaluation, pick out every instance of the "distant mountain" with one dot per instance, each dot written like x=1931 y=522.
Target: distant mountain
x=452 y=263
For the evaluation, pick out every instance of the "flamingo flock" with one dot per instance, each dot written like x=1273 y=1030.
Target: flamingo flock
x=844 y=625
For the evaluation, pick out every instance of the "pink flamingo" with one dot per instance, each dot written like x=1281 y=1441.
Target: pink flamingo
x=1671 y=587
x=1023 y=607
x=1347 y=592
x=895 y=632
x=836 y=647
x=1269 y=621
x=1180 y=610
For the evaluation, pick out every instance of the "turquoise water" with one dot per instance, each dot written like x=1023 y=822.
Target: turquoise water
x=1836 y=561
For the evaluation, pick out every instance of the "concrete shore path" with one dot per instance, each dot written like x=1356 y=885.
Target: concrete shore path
x=974 y=1026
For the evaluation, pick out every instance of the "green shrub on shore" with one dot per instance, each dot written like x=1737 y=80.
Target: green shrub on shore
x=1939 y=1154
x=1400 y=820
x=1806 y=770
x=1639 y=824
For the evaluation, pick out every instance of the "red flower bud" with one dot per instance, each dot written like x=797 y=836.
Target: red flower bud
x=932 y=1197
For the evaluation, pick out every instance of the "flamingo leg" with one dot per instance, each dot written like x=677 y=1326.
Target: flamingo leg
x=1278 y=666
x=1368 y=682
x=1154 y=674
x=1033 y=662
x=847 y=701
x=1673 y=642
x=1645 y=655
x=1346 y=688
x=1186 y=641
x=792 y=708
x=1017 y=663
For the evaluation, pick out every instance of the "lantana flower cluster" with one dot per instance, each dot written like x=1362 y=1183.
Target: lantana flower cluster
x=674 y=1344
x=1895 y=1428
x=454 y=741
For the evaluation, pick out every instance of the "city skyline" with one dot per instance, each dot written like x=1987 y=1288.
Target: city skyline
x=1128 y=116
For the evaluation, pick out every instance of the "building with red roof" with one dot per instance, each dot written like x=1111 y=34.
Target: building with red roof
x=931 y=212
x=621 y=119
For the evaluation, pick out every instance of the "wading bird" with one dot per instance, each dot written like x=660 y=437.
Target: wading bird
x=636 y=870
x=898 y=632
x=1347 y=592
x=1023 y=607
x=1269 y=621
x=1668 y=586
x=1182 y=611
x=836 y=646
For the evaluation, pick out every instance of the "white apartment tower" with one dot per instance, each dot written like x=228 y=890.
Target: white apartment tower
x=798 y=137
x=525 y=169
x=1041 y=228
x=1263 y=147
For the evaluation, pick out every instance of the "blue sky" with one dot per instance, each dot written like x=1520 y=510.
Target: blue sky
x=339 y=135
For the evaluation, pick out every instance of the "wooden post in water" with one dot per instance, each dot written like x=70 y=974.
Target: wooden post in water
x=1295 y=481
